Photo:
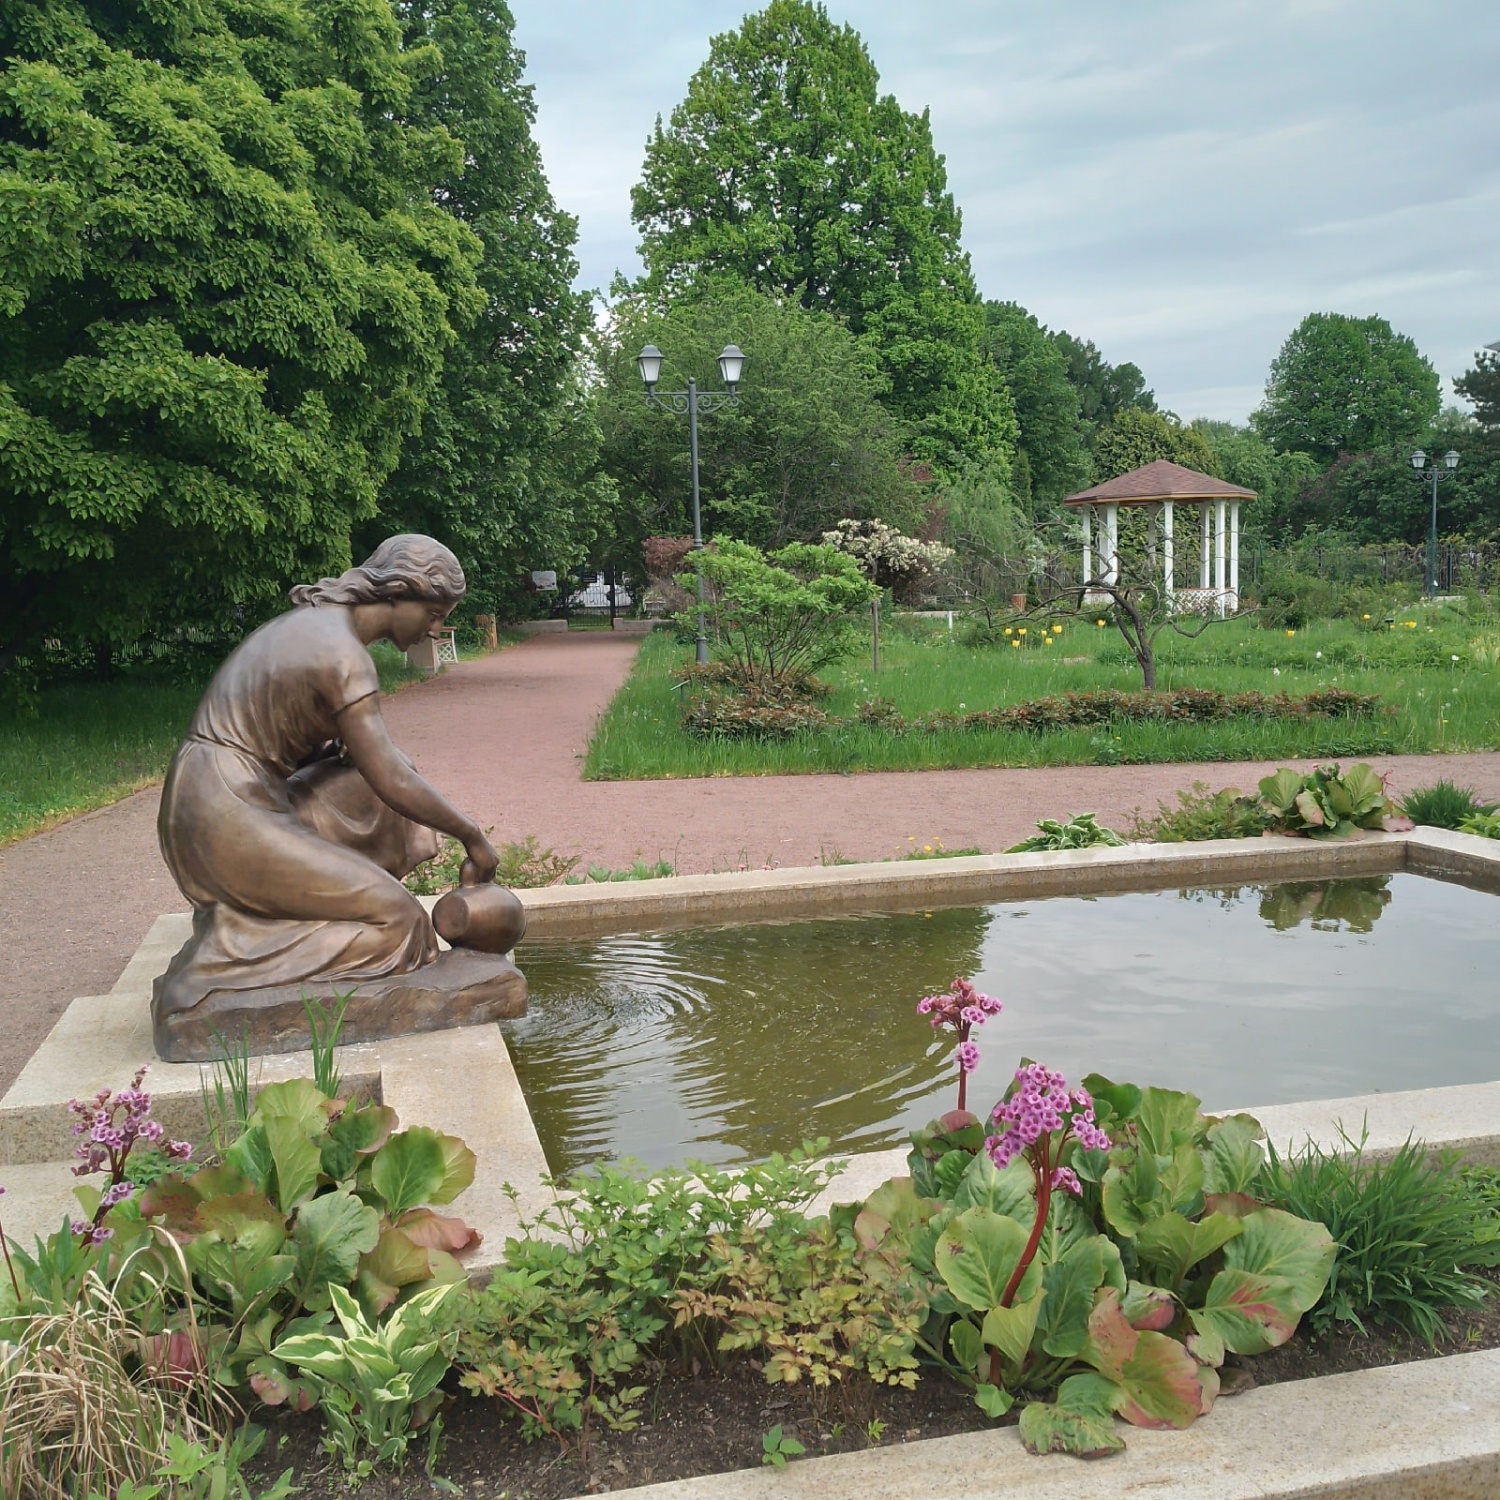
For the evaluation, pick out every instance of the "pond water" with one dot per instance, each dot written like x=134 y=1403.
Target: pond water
x=725 y=1044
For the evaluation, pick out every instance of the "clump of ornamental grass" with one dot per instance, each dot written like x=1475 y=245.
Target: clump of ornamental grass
x=1408 y=1231
x=1444 y=805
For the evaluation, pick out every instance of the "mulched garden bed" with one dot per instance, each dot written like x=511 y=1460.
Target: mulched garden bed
x=710 y=1423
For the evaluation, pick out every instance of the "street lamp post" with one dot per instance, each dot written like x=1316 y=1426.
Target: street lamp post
x=691 y=402
x=1419 y=464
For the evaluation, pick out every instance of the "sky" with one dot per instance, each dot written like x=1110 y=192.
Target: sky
x=1179 y=182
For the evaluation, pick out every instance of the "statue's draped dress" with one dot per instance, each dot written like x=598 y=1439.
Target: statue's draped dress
x=290 y=859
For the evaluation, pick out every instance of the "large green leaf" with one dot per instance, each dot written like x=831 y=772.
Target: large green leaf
x=395 y=1262
x=354 y=1134
x=1011 y=1329
x=408 y=1170
x=1182 y=1180
x=459 y=1163
x=1280 y=788
x=978 y=1253
x=296 y=1158
x=331 y=1234
x=1132 y=1191
x=967 y=1346
x=1246 y=1312
x=1366 y=792
x=1172 y=1245
x=1158 y=1379
x=1080 y=1421
x=296 y=1099
x=1071 y=1283
x=1276 y=1243
x=1235 y=1155
x=1011 y=1192
x=1167 y=1119
x=251 y=1157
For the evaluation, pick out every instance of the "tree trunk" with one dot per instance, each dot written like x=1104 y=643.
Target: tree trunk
x=875 y=634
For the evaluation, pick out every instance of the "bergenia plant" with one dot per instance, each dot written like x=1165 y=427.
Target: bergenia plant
x=1037 y=1121
x=112 y=1124
x=960 y=1008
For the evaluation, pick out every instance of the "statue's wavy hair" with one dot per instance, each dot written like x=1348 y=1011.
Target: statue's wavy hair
x=401 y=567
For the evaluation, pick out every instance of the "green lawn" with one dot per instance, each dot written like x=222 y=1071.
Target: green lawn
x=1440 y=703
x=92 y=743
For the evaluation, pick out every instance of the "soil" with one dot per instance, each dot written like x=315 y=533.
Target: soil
x=503 y=736
x=711 y=1422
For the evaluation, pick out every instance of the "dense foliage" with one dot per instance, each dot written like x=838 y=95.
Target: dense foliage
x=807 y=443
x=1347 y=385
x=786 y=169
x=1134 y=438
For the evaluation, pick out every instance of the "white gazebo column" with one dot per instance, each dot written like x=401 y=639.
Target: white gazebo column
x=1203 y=577
x=1234 y=555
x=1088 y=549
x=1220 y=581
x=1111 y=543
x=1168 y=556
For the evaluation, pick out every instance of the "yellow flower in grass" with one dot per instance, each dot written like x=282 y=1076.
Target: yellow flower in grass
x=1057 y=630
x=1099 y=622
x=1364 y=617
x=1021 y=631
x=1047 y=640
x=1291 y=632
x=1015 y=645
x=1007 y=630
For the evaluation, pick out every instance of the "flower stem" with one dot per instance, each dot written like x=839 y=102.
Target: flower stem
x=1041 y=1171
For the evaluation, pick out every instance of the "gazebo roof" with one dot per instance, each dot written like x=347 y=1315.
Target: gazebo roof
x=1159 y=481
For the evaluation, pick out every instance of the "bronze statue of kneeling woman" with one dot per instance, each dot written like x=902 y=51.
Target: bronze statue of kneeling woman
x=289 y=818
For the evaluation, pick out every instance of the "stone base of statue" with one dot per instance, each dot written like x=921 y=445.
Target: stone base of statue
x=461 y=987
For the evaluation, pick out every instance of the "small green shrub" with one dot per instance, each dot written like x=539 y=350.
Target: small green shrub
x=1327 y=803
x=524 y=865
x=1486 y=825
x=641 y=870
x=1406 y=1231
x=1081 y=831
x=1203 y=814
x=1443 y=805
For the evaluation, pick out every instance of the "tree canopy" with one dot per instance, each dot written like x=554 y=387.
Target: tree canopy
x=786 y=168
x=504 y=470
x=1136 y=437
x=226 y=293
x=1104 y=390
x=1346 y=385
x=1481 y=385
x=807 y=444
x=1051 y=459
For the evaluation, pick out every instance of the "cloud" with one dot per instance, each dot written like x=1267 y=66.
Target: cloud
x=1179 y=182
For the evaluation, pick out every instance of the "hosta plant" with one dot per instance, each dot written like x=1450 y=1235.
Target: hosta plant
x=376 y=1383
x=1081 y=831
x=1099 y=1240
x=1328 y=803
x=316 y=1195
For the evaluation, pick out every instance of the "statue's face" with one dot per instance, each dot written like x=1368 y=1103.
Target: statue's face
x=414 y=619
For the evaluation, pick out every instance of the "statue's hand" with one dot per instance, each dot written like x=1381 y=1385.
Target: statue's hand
x=480 y=866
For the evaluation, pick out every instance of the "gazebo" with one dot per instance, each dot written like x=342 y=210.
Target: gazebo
x=1162 y=487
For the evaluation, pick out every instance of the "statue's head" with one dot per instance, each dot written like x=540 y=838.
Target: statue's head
x=401 y=567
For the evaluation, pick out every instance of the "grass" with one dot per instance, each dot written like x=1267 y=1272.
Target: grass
x=1440 y=703
x=92 y=743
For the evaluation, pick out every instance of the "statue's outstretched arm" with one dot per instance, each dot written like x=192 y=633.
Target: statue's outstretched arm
x=396 y=782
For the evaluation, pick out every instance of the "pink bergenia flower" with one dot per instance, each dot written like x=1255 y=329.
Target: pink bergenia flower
x=960 y=1008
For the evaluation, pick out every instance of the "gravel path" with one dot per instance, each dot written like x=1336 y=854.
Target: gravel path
x=503 y=738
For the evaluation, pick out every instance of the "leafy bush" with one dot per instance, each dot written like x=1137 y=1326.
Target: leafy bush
x=625 y=1265
x=768 y=713
x=524 y=865
x=1203 y=814
x=1485 y=825
x=315 y=1195
x=1099 y=1241
x=1329 y=804
x=1290 y=600
x=782 y=614
x=1406 y=1229
x=1081 y=831
x=1444 y=805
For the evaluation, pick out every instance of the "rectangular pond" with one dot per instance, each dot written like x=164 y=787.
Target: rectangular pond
x=725 y=1044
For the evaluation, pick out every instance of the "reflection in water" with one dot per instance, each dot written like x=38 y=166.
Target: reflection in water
x=1352 y=905
x=729 y=1043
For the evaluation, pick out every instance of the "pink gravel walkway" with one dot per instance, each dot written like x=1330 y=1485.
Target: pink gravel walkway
x=503 y=738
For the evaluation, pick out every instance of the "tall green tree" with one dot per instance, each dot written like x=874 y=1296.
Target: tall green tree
x=1244 y=457
x=226 y=292
x=1104 y=390
x=1346 y=385
x=1051 y=459
x=1136 y=437
x=787 y=168
x=807 y=444
x=505 y=468
x=1481 y=385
